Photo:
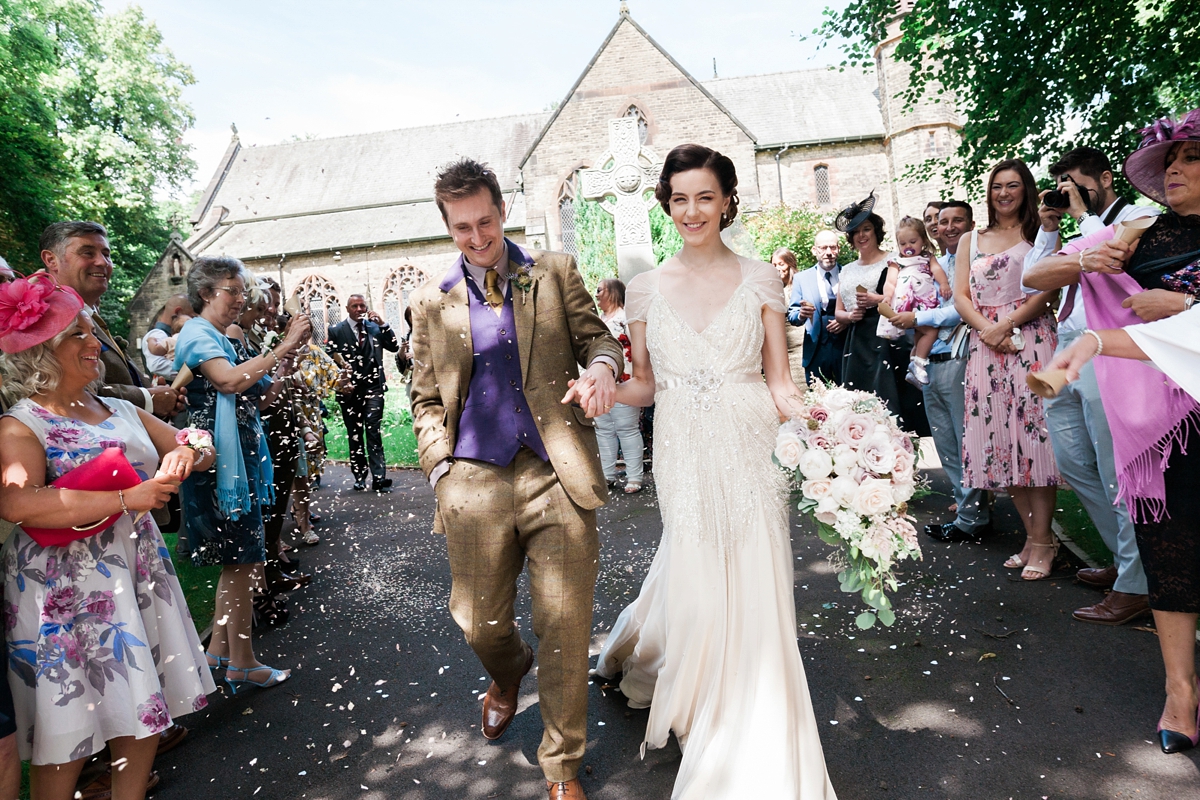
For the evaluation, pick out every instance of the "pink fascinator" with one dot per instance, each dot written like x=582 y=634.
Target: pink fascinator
x=1147 y=166
x=35 y=310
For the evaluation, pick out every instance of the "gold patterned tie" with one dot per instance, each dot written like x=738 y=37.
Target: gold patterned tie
x=491 y=289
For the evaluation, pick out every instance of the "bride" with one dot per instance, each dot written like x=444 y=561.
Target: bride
x=710 y=643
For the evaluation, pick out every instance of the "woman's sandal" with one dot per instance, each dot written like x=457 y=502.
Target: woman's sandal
x=1014 y=562
x=632 y=487
x=221 y=661
x=1039 y=573
x=276 y=677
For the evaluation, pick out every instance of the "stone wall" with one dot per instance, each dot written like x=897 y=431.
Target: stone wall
x=159 y=284
x=630 y=70
x=854 y=169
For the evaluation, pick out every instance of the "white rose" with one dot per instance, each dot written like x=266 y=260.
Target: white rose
x=827 y=511
x=844 y=459
x=788 y=449
x=815 y=464
x=843 y=490
x=837 y=399
x=877 y=455
x=817 y=490
x=903 y=492
x=874 y=496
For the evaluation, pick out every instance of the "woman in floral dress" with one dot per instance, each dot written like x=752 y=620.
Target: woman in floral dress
x=1005 y=443
x=316 y=379
x=101 y=647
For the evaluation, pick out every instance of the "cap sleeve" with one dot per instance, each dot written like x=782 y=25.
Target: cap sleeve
x=638 y=294
x=763 y=280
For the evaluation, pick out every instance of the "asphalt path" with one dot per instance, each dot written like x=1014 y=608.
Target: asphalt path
x=984 y=688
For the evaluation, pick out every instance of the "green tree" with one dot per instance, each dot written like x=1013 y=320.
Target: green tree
x=1034 y=78
x=91 y=127
x=664 y=235
x=793 y=227
x=595 y=236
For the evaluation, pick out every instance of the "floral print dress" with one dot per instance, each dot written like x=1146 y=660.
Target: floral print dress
x=100 y=641
x=1005 y=440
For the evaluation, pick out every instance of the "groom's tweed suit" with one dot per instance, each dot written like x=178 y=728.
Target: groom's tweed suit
x=496 y=516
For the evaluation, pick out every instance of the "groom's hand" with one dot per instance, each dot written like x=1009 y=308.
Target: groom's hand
x=595 y=391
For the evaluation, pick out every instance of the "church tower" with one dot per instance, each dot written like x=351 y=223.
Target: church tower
x=928 y=129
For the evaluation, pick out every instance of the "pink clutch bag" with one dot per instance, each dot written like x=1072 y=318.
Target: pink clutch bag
x=107 y=472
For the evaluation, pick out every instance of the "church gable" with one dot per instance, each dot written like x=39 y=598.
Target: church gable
x=629 y=76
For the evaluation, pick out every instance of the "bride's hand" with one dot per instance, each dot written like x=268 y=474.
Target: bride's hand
x=788 y=404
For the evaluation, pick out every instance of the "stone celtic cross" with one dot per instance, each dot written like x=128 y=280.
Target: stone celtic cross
x=628 y=170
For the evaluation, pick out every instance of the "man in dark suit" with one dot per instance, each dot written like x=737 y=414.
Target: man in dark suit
x=361 y=340
x=77 y=255
x=814 y=297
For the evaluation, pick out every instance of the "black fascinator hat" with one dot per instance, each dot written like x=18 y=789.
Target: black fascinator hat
x=855 y=214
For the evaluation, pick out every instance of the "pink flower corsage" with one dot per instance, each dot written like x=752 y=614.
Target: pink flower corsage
x=22 y=303
x=197 y=439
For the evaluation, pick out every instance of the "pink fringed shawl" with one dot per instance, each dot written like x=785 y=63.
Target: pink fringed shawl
x=1148 y=413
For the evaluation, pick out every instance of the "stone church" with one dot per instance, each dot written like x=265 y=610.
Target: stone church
x=355 y=214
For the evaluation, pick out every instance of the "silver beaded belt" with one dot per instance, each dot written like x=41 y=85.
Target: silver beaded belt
x=707 y=381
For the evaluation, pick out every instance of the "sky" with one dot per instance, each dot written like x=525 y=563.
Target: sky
x=299 y=68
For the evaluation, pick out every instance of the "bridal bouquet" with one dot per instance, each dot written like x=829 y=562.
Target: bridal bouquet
x=855 y=470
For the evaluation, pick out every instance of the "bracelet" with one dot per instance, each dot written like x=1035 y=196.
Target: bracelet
x=271 y=353
x=1099 y=342
x=1082 y=268
x=1188 y=301
x=121 y=498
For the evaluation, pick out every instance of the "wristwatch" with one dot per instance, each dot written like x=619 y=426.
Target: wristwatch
x=1084 y=216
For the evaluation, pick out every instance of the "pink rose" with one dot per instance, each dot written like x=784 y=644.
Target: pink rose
x=902 y=470
x=854 y=428
x=827 y=511
x=788 y=449
x=877 y=455
x=819 y=413
x=59 y=608
x=820 y=440
x=817 y=490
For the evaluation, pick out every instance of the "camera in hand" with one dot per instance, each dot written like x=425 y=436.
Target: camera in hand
x=1056 y=198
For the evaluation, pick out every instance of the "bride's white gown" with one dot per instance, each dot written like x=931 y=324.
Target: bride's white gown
x=710 y=643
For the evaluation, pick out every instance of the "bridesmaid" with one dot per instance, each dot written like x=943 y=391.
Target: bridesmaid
x=1005 y=443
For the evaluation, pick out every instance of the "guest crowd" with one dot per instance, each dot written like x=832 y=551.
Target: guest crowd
x=222 y=433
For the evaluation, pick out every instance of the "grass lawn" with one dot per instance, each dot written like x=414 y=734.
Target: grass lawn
x=399 y=441
x=199 y=584
x=1078 y=526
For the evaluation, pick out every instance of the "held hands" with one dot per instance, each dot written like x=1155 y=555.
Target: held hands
x=1074 y=357
x=1155 y=304
x=865 y=300
x=151 y=494
x=835 y=327
x=167 y=402
x=998 y=337
x=595 y=391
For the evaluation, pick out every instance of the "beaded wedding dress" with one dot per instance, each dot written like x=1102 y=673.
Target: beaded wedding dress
x=710 y=643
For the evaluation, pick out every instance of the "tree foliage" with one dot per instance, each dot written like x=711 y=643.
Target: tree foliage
x=595 y=236
x=1034 y=78
x=793 y=227
x=91 y=127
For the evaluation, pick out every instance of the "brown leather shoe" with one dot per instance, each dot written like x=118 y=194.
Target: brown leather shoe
x=500 y=705
x=1116 y=608
x=1098 y=578
x=101 y=788
x=170 y=738
x=566 y=790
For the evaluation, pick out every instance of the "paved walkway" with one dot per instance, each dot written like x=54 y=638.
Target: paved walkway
x=984 y=688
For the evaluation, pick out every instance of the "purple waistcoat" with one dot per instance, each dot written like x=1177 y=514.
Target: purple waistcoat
x=495 y=420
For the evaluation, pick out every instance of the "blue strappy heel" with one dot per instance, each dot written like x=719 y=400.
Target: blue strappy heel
x=222 y=661
x=276 y=677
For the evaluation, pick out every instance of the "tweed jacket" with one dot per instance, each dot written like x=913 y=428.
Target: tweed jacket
x=558 y=329
x=118 y=369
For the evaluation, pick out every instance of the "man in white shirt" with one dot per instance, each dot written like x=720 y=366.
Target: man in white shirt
x=1078 y=426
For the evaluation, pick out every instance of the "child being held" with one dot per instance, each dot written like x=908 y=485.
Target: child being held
x=918 y=280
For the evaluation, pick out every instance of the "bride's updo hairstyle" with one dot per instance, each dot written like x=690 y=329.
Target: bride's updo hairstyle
x=687 y=157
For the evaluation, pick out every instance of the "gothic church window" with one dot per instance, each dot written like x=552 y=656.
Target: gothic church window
x=821 y=174
x=396 y=290
x=566 y=215
x=642 y=123
x=318 y=298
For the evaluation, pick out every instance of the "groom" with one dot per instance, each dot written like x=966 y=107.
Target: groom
x=515 y=468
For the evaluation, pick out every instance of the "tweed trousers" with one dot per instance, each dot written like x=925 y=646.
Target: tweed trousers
x=497 y=520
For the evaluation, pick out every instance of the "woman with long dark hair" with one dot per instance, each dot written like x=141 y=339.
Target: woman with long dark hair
x=1006 y=445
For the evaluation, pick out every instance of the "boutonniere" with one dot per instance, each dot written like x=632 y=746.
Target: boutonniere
x=522 y=278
